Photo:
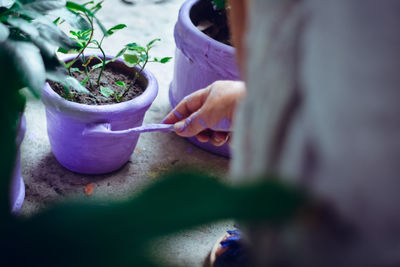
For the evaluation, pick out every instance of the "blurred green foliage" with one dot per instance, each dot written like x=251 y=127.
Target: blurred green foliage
x=116 y=234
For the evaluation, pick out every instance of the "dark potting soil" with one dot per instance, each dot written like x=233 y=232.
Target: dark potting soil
x=108 y=79
x=212 y=22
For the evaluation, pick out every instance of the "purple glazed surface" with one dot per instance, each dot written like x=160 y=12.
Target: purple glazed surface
x=199 y=61
x=67 y=121
x=17 y=190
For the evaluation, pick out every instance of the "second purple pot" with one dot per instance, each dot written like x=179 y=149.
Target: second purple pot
x=67 y=122
x=199 y=61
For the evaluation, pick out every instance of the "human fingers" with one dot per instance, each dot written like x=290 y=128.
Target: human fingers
x=219 y=138
x=187 y=106
x=191 y=126
x=204 y=136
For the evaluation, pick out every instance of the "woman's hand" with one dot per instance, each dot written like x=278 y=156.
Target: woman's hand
x=208 y=113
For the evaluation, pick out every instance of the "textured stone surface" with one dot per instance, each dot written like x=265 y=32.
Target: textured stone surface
x=47 y=181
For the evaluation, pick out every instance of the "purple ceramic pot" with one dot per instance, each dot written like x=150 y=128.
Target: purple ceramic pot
x=17 y=190
x=67 y=122
x=199 y=61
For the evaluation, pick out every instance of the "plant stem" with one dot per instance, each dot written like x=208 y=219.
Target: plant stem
x=102 y=39
x=88 y=42
x=86 y=71
x=125 y=91
x=141 y=68
x=147 y=60
x=135 y=77
x=104 y=63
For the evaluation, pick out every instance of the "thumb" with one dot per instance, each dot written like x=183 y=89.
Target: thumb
x=190 y=126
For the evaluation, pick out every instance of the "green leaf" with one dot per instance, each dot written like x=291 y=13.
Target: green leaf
x=149 y=45
x=81 y=44
x=27 y=60
x=85 y=80
x=84 y=35
x=74 y=33
x=53 y=63
x=4 y=32
x=72 y=18
x=118 y=97
x=165 y=59
x=131 y=45
x=77 y=7
x=62 y=50
x=106 y=91
x=96 y=66
x=135 y=47
x=43 y=28
x=44 y=34
x=53 y=35
x=88 y=3
x=131 y=58
x=69 y=64
x=71 y=51
x=28 y=13
x=97 y=7
x=66 y=80
x=74 y=83
x=116 y=28
x=25 y=26
x=120 y=83
x=43 y=6
x=58 y=21
x=99 y=65
x=75 y=70
x=46 y=48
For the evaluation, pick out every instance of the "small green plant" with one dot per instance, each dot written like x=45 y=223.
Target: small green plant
x=108 y=92
x=133 y=55
x=119 y=96
x=84 y=38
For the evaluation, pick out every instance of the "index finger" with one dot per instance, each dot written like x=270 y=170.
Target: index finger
x=187 y=106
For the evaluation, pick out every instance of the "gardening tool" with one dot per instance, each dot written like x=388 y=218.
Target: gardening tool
x=104 y=129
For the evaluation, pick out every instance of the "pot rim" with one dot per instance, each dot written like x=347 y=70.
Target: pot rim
x=52 y=99
x=187 y=23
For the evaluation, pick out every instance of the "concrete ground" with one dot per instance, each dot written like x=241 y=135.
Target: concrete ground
x=48 y=182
